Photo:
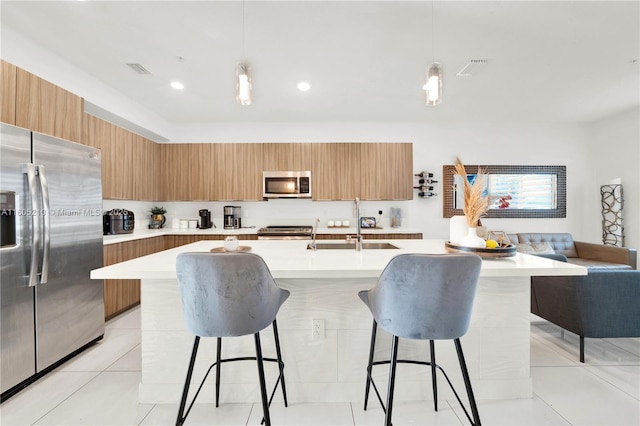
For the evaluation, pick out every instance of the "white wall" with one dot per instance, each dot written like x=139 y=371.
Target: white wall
x=615 y=144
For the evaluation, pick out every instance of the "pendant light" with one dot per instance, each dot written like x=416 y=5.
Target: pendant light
x=433 y=87
x=243 y=85
x=243 y=77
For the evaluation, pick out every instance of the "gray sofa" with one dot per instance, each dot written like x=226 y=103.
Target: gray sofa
x=602 y=304
x=593 y=256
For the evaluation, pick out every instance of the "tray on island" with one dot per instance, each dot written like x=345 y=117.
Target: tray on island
x=224 y=250
x=488 y=253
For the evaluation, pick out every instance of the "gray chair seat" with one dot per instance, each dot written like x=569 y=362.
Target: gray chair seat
x=225 y=295
x=425 y=297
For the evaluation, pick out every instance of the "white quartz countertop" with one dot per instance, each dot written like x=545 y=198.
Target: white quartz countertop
x=139 y=234
x=291 y=259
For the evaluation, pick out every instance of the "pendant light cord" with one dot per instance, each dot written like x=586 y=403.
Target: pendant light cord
x=243 y=30
x=433 y=49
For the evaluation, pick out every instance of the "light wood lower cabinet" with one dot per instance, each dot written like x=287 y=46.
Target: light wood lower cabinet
x=121 y=295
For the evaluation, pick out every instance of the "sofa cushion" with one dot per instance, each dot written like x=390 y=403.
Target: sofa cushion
x=535 y=248
x=597 y=265
x=562 y=243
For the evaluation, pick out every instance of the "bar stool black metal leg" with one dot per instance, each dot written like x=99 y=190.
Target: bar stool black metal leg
x=187 y=382
x=263 y=388
x=392 y=380
x=582 y=349
x=218 y=363
x=467 y=383
x=434 y=384
x=370 y=365
x=280 y=363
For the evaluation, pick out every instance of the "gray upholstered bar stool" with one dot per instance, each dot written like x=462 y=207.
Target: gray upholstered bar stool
x=423 y=297
x=224 y=295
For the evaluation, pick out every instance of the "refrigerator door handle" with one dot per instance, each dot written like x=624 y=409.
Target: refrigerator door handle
x=44 y=186
x=30 y=170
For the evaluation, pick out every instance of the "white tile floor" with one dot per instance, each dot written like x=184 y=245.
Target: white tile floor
x=100 y=387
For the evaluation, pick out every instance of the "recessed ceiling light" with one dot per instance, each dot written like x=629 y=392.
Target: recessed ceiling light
x=177 y=85
x=303 y=86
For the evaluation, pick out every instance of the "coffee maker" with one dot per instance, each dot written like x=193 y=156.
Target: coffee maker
x=232 y=217
x=205 y=219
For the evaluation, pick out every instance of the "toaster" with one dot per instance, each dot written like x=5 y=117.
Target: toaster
x=117 y=221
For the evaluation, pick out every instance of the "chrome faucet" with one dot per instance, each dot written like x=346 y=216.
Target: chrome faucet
x=358 y=225
x=312 y=246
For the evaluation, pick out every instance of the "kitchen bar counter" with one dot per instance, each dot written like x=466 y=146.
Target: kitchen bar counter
x=324 y=285
x=139 y=234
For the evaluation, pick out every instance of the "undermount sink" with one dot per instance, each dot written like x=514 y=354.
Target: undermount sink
x=352 y=246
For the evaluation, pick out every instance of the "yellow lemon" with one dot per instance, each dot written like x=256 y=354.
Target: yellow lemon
x=491 y=244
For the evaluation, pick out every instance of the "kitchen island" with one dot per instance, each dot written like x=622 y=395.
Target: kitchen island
x=332 y=367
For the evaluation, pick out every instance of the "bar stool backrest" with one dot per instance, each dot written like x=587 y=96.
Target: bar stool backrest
x=227 y=294
x=425 y=296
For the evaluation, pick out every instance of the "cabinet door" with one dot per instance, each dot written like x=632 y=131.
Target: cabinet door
x=120 y=295
x=68 y=112
x=27 y=100
x=236 y=171
x=120 y=183
x=386 y=170
x=287 y=156
x=336 y=171
x=145 y=169
x=180 y=170
x=8 y=92
x=46 y=108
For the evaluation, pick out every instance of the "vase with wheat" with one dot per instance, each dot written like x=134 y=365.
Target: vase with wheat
x=475 y=204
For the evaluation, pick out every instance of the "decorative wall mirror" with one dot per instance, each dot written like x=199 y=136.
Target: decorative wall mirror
x=513 y=191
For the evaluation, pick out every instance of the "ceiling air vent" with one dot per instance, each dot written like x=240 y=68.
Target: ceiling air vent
x=472 y=67
x=138 y=68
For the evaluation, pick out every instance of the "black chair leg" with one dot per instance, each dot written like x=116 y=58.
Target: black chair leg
x=467 y=383
x=434 y=384
x=370 y=365
x=392 y=380
x=187 y=383
x=263 y=388
x=280 y=363
x=582 y=349
x=218 y=357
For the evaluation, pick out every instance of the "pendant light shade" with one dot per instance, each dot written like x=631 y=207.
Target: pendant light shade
x=243 y=85
x=434 y=84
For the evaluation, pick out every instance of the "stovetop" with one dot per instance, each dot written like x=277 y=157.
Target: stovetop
x=285 y=230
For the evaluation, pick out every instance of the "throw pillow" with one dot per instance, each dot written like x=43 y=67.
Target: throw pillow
x=535 y=248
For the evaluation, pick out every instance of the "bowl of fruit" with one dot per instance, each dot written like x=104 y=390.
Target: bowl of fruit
x=493 y=249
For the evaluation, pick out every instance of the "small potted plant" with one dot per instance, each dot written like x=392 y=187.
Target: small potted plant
x=157 y=217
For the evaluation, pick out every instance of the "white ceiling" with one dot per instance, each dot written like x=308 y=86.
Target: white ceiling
x=366 y=60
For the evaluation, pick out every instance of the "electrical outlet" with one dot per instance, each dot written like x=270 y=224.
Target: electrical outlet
x=380 y=212
x=317 y=329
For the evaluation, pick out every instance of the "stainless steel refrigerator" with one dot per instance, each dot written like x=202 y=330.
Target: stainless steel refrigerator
x=51 y=201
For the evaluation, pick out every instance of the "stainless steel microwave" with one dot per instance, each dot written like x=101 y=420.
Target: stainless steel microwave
x=286 y=184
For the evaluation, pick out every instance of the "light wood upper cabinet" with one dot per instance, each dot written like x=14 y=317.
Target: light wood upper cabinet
x=46 y=108
x=145 y=169
x=287 y=156
x=237 y=171
x=8 y=73
x=185 y=172
x=130 y=163
x=386 y=171
x=336 y=171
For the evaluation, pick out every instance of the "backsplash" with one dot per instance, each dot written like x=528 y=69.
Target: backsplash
x=273 y=212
